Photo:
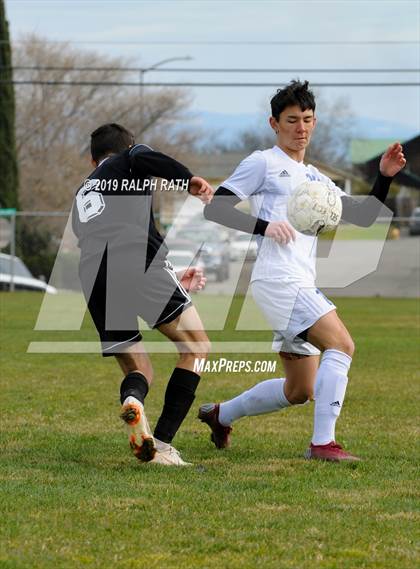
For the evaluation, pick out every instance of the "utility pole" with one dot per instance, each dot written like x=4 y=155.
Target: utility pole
x=143 y=72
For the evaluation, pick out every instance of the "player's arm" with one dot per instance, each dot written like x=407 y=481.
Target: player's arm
x=247 y=179
x=145 y=163
x=223 y=210
x=363 y=212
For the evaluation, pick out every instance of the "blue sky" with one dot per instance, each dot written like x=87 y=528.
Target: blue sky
x=250 y=21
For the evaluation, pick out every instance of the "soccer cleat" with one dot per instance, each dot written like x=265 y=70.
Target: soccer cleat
x=220 y=435
x=140 y=437
x=167 y=455
x=331 y=451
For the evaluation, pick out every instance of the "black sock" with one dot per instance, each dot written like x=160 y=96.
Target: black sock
x=179 y=396
x=134 y=384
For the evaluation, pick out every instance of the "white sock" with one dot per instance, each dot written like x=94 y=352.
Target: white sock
x=264 y=397
x=330 y=389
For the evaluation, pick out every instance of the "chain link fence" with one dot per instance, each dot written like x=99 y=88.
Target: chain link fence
x=32 y=244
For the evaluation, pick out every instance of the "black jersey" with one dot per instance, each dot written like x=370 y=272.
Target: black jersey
x=113 y=207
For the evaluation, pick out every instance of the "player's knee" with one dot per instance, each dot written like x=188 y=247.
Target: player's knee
x=198 y=348
x=202 y=349
x=343 y=343
x=300 y=396
x=347 y=345
x=300 y=400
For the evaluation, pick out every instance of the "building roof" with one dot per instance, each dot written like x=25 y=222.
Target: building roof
x=409 y=176
x=363 y=149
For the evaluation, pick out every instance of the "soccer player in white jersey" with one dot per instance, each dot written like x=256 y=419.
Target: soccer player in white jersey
x=314 y=345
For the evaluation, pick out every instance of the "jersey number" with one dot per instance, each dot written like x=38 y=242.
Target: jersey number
x=90 y=204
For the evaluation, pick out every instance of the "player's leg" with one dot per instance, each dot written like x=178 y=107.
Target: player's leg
x=278 y=302
x=274 y=394
x=265 y=397
x=330 y=336
x=135 y=358
x=187 y=332
x=125 y=345
x=300 y=373
x=138 y=374
x=166 y=305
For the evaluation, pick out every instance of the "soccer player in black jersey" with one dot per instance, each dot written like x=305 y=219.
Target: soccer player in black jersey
x=125 y=274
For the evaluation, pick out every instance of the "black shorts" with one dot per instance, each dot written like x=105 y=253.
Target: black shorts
x=156 y=296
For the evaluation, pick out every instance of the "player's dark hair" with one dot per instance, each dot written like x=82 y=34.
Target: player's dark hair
x=109 y=138
x=295 y=93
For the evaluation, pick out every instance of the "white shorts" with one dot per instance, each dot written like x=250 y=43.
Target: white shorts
x=291 y=308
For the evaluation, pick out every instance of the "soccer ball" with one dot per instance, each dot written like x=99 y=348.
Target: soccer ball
x=314 y=207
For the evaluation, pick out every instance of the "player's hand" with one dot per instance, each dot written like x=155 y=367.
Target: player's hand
x=280 y=231
x=392 y=160
x=192 y=279
x=200 y=188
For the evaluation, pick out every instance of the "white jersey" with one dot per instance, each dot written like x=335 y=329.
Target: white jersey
x=267 y=178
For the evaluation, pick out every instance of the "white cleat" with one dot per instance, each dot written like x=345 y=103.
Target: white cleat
x=167 y=455
x=140 y=436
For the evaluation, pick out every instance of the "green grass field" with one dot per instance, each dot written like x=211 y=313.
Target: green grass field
x=72 y=496
x=353 y=232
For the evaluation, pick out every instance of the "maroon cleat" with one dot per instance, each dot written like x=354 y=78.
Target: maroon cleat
x=220 y=435
x=331 y=451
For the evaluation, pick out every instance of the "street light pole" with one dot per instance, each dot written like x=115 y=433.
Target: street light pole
x=143 y=71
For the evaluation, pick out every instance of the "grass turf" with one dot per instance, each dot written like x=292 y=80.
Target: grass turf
x=72 y=495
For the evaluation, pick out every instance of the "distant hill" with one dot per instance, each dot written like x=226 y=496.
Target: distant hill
x=227 y=127
x=373 y=128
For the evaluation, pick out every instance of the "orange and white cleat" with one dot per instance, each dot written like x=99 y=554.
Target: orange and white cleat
x=140 y=436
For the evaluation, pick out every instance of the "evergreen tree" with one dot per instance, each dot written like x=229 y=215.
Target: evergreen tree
x=8 y=159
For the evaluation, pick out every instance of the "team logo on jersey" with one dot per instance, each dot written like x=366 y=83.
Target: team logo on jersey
x=284 y=174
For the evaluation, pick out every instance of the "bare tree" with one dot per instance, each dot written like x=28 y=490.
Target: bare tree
x=333 y=132
x=53 y=122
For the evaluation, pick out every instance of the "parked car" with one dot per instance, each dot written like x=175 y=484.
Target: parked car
x=414 y=222
x=22 y=277
x=179 y=245
x=243 y=243
x=214 y=250
x=181 y=259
